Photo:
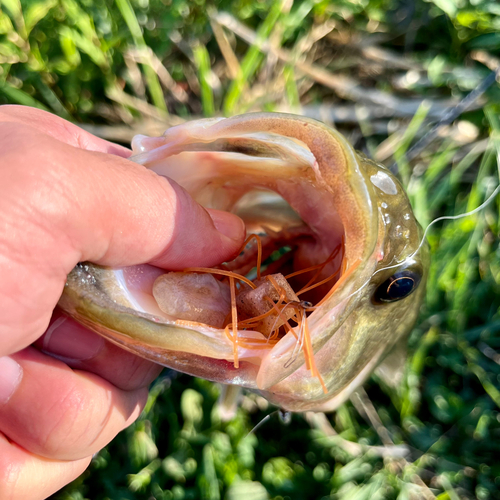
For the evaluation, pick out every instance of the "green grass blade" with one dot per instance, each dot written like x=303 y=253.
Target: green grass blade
x=51 y=98
x=209 y=483
x=292 y=92
x=86 y=46
x=18 y=96
x=152 y=81
x=251 y=61
x=408 y=136
x=202 y=61
x=36 y=12
x=16 y=12
x=411 y=393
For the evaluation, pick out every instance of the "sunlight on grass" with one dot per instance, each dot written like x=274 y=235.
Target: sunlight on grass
x=384 y=77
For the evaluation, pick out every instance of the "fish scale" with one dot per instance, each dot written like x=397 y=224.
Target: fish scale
x=343 y=200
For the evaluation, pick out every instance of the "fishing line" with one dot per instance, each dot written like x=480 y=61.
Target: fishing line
x=459 y=216
x=421 y=244
x=300 y=340
x=455 y=217
x=261 y=423
x=284 y=415
x=446 y=217
x=422 y=241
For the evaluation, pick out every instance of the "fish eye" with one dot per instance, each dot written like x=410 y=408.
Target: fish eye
x=397 y=287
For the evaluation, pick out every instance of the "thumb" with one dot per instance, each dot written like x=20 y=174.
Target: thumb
x=129 y=215
x=195 y=237
x=60 y=205
x=93 y=206
x=198 y=237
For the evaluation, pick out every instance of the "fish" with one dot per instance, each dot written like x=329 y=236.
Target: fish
x=326 y=289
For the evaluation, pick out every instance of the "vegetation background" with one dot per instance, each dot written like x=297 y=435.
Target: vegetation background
x=386 y=73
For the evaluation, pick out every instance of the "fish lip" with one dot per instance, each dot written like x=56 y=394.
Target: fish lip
x=246 y=375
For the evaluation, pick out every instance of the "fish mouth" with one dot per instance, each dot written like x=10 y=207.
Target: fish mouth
x=302 y=191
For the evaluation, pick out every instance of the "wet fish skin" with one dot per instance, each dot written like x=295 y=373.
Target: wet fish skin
x=311 y=166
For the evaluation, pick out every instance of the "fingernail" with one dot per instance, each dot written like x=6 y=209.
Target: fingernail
x=11 y=374
x=229 y=225
x=68 y=339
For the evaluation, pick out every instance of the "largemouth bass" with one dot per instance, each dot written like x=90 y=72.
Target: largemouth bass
x=343 y=275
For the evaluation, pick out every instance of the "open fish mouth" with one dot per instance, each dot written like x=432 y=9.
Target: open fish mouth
x=306 y=311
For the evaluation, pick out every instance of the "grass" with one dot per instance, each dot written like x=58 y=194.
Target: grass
x=385 y=72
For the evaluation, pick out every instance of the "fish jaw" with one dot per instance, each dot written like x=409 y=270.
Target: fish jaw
x=231 y=164
x=278 y=150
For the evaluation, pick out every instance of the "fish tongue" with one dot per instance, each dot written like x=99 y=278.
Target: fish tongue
x=193 y=297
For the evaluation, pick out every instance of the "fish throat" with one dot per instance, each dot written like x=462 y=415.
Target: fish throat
x=296 y=250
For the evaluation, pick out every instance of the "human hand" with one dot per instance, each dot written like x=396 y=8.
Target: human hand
x=65 y=197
